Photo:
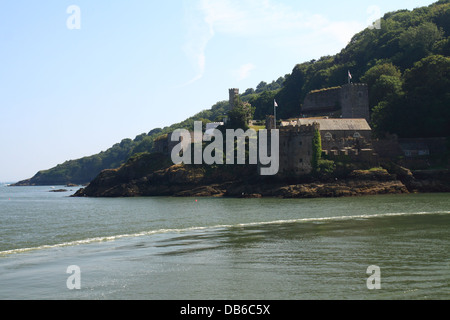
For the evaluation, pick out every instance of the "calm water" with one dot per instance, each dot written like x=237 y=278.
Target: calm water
x=208 y=248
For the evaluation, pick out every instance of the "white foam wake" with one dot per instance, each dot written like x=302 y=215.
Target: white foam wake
x=223 y=226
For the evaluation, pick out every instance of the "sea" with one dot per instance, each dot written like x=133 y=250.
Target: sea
x=384 y=247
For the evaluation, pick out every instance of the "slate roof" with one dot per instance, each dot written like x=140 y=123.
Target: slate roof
x=338 y=124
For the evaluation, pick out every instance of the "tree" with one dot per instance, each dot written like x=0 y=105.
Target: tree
x=140 y=137
x=423 y=110
x=429 y=77
x=240 y=115
x=386 y=88
x=418 y=41
x=384 y=82
x=263 y=104
x=428 y=97
x=261 y=86
x=155 y=131
x=374 y=73
x=249 y=91
x=145 y=145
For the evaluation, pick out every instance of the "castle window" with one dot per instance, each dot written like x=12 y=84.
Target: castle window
x=357 y=135
x=360 y=94
x=300 y=160
x=328 y=136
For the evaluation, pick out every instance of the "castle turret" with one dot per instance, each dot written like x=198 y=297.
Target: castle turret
x=233 y=94
x=355 y=101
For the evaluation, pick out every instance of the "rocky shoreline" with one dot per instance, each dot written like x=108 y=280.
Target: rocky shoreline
x=242 y=190
x=136 y=180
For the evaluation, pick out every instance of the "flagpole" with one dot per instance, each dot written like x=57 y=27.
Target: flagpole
x=275 y=113
x=275 y=116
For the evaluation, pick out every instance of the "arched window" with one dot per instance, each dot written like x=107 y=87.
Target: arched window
x=328 y=136
x=357 y=135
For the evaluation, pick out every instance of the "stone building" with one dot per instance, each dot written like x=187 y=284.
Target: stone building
x=340 y=137
x=348 y=101
x=355 y=101
x=339 y=133
x=296 y=149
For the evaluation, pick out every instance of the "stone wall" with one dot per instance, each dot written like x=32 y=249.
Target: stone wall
x=351 y=99
x=296 y=150
x=355 y=101
x=326 y=100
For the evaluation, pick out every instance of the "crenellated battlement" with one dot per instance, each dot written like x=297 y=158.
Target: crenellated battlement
x=300 y=129
x=355 y=85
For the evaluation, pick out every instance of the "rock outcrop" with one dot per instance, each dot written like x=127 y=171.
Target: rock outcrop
x=155 y=175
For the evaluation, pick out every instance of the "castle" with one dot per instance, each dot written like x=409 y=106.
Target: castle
x=341 y=115
x=348 y=138
x=296 y=149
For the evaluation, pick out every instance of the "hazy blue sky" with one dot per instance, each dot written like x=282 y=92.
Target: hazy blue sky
x=136 y=65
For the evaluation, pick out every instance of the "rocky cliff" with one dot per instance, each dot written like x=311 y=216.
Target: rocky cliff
x=155 y=175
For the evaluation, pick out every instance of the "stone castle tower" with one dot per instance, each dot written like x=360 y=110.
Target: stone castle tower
x=351 y=101
x=296 y=149
x=233 y=94
x=355 y=101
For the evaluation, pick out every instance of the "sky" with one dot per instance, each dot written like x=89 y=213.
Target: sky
x=78 y=76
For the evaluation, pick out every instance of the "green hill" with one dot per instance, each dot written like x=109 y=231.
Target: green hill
x=406 y=64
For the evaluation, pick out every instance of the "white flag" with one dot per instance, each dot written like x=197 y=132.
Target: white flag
x=275 y=103
x=349 y=75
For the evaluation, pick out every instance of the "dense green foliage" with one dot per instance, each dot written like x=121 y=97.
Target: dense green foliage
x=396 y=61
x=316 y=150
x=240 y=115
x=405 y=63
x=321 y=167
x=418 y=103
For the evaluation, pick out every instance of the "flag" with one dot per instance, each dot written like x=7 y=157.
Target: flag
x=275 y=103
x=349 y=75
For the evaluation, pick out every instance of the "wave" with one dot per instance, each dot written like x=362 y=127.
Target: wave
x=337 y=218
x=223 y=226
